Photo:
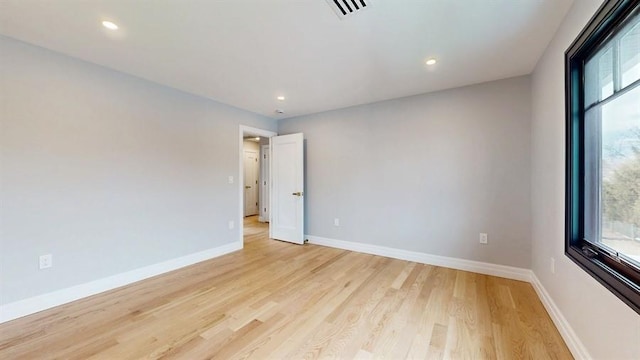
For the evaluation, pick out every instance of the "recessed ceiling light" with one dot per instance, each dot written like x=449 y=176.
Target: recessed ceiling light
x=281 y=98
x=431 y=61
x=109 y=25
x=257 y=138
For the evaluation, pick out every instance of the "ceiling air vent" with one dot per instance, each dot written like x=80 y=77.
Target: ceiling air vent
x=344 y=8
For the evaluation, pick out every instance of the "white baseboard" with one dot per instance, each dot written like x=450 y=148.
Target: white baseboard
x=42 y=302
x=508 y=272
x=577 y=348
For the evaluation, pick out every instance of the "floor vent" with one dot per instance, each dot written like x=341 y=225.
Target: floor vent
x=345 y=8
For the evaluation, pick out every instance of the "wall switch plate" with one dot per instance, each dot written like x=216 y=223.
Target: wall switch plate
x=46 y=261
x=483 y=238
x=231 y=225
x=230 y=179
x=336 y=222
x=552 y=265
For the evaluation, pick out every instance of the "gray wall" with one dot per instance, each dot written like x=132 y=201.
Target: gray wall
x=426 y=173
x=107 y=172
x=608 y=328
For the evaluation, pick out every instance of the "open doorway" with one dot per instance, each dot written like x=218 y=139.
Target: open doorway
x=251 y=166
x=253 y=181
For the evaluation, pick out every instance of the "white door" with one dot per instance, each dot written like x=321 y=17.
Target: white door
x=251 y=167
x=265 y=182
x=287 y=195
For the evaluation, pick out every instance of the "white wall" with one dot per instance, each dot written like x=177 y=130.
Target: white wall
x=251 y=145
x=426 y=173
x=106 y=171
x=608 y=328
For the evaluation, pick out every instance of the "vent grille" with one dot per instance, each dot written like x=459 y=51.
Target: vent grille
x=344 y=8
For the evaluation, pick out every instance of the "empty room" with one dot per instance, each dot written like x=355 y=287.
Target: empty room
x=347 y=179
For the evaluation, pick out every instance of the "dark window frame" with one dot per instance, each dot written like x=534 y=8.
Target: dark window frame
x=621 y=277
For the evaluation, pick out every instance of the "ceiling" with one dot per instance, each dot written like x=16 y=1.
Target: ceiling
x=245 y=53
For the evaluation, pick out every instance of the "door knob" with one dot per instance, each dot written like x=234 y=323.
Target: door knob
x=299 y=193
x=248 y=187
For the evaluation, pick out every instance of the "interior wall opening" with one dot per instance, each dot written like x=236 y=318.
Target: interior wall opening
x=254 y=181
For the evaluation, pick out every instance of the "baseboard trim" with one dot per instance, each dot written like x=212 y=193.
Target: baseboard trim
x=577 y=348
x=46 y=301
x=508 y=272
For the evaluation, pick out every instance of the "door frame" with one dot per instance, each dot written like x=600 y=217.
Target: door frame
x=245 y=131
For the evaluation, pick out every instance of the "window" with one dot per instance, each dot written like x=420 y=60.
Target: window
x=603 y=149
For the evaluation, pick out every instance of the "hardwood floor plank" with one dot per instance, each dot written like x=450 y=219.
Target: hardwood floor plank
x=274 y=300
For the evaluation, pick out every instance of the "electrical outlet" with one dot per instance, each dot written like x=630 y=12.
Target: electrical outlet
x=483 y=238
x=230 y=179
x=231 y=225
x=552 y=265
x=46 y=261
x=336 y=222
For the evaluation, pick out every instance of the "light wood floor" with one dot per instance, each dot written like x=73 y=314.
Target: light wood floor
x=274 y=300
